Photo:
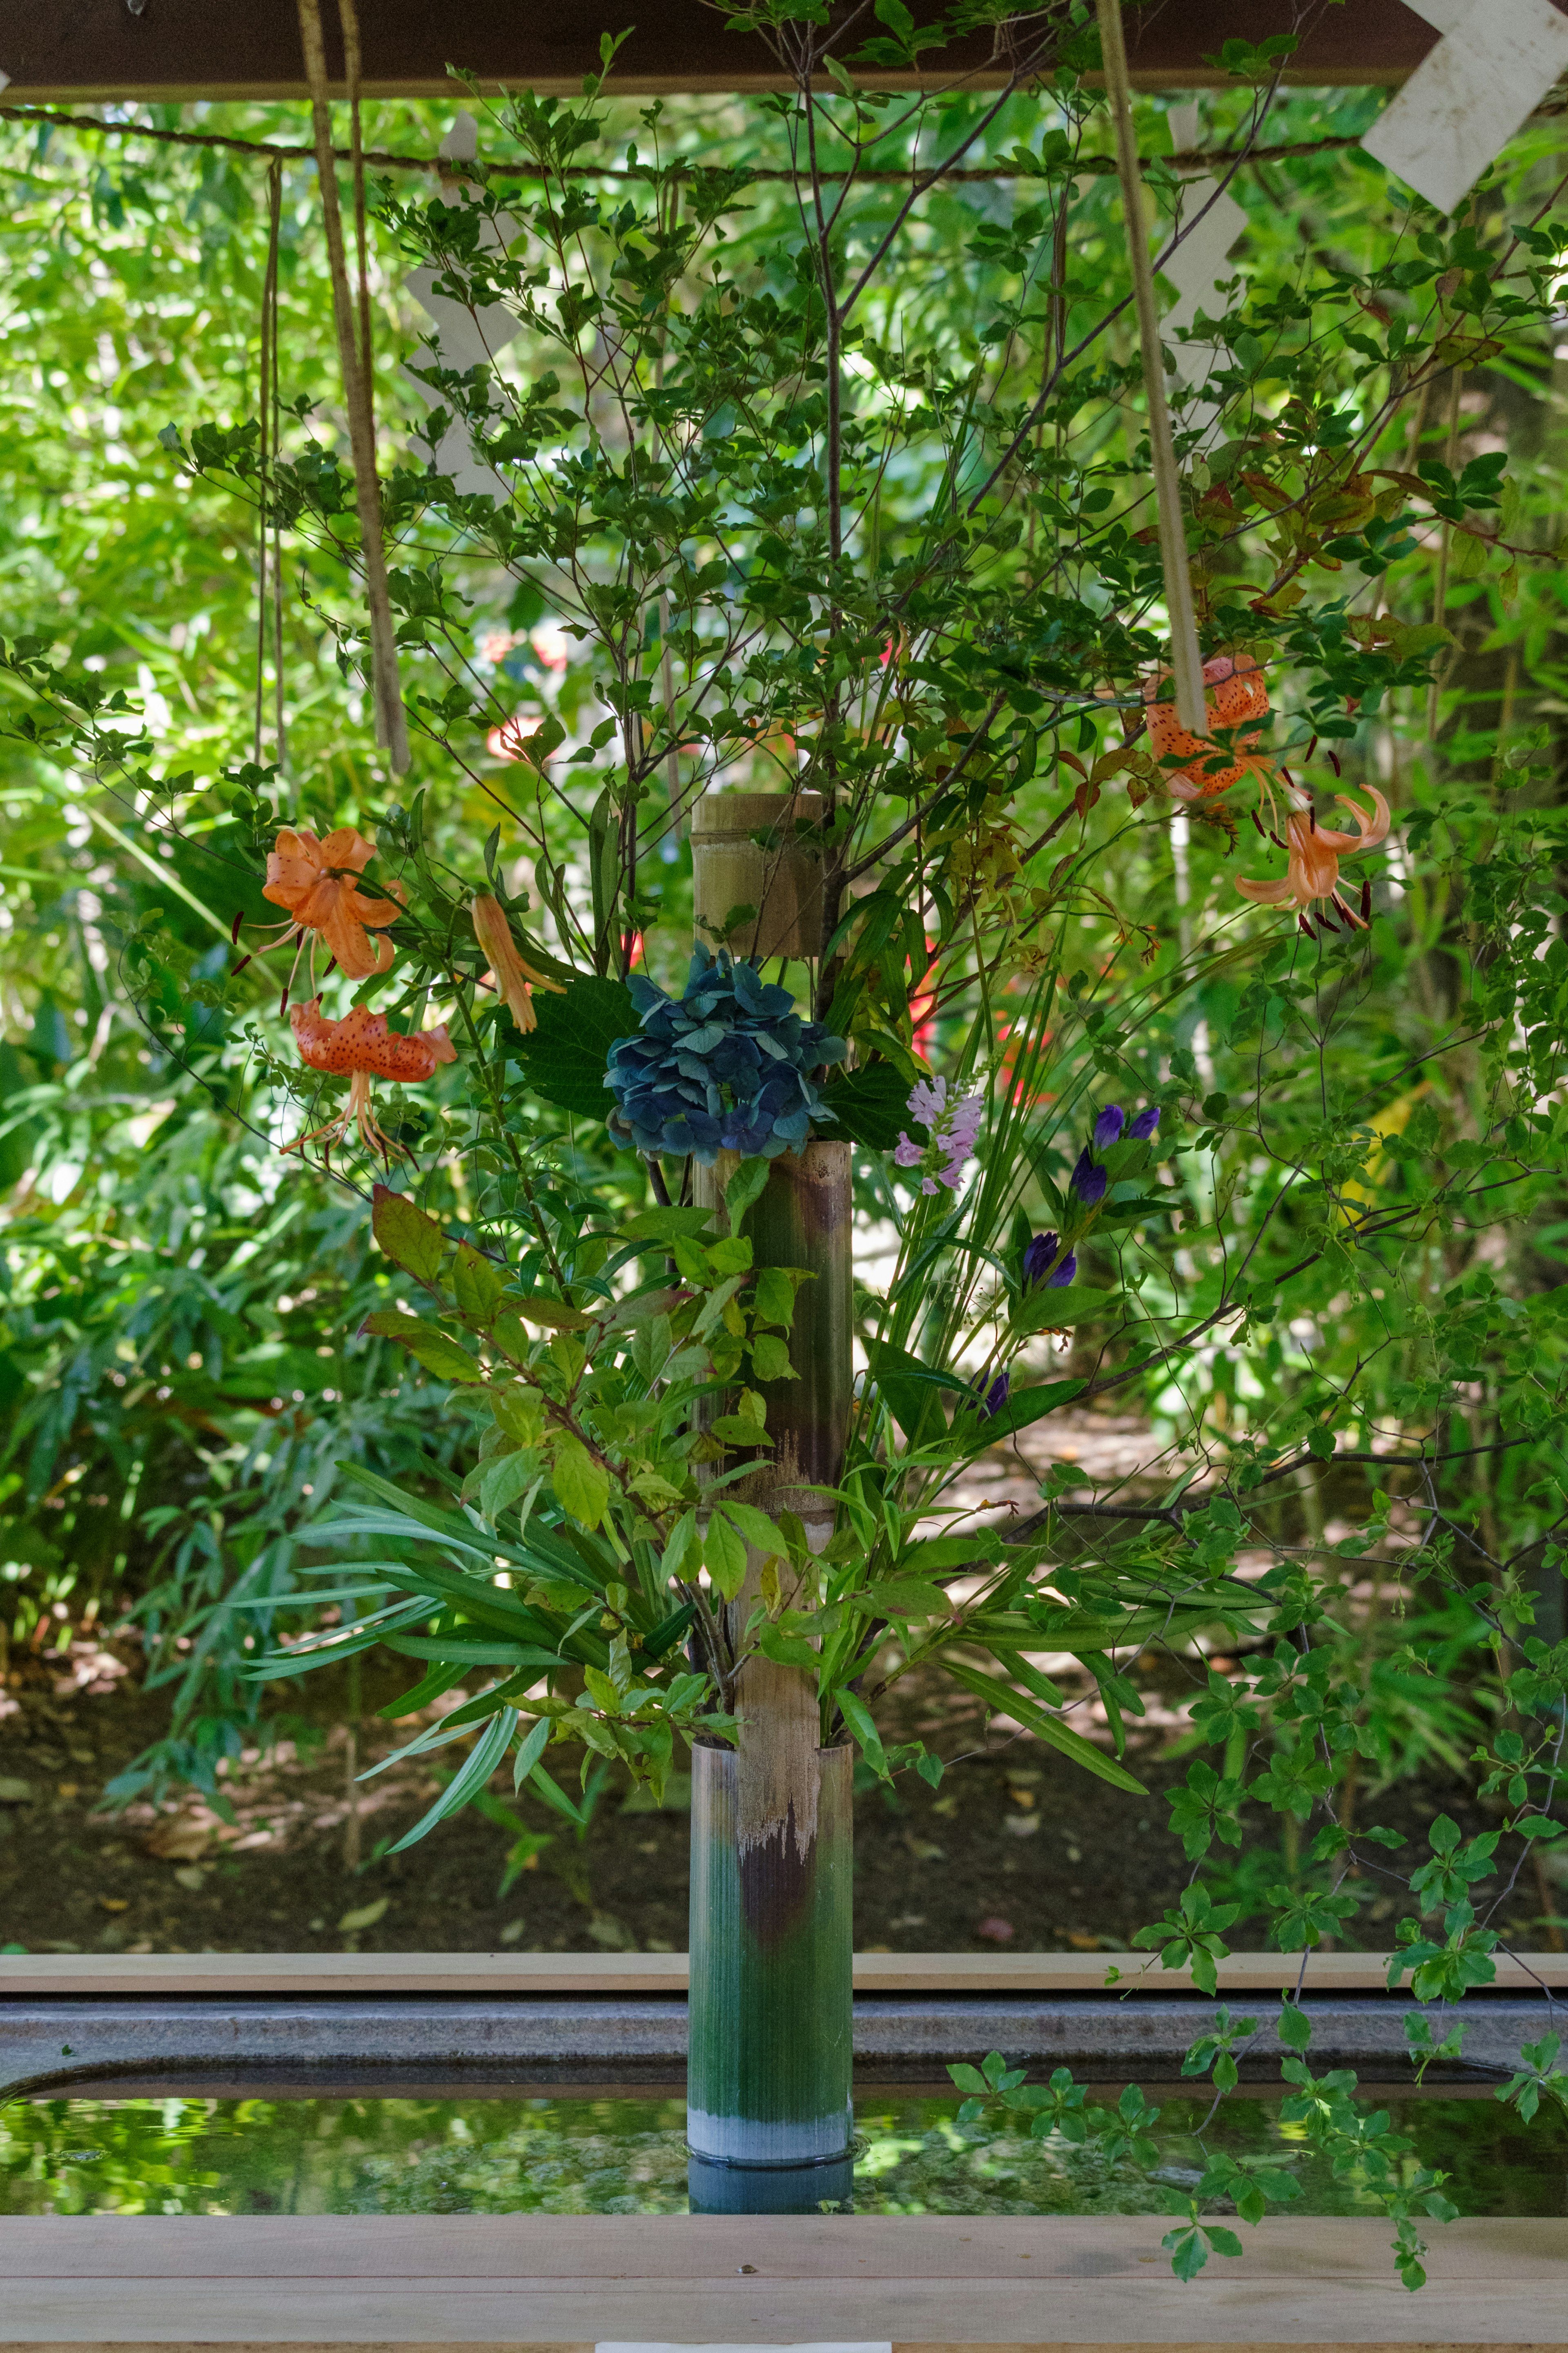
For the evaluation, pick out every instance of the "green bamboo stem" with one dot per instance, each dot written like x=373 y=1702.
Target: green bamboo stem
x=769 y=2120
x=772 y=1938
x=778 y=877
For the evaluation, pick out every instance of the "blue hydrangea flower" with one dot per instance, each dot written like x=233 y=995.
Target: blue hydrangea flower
x=726 y=1066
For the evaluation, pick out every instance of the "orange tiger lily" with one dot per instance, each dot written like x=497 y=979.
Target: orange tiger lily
x=1312 y=862
x=1239 y=694
x=363 y=1044
x=316 y=881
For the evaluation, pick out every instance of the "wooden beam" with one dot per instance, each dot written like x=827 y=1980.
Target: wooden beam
x=94 y=51
x=1250 y=1975
x=924 y=2281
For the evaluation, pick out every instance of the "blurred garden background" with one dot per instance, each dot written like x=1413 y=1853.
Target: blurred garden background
x=182 y=1373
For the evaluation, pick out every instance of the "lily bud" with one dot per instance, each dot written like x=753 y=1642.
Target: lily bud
x=508 y=972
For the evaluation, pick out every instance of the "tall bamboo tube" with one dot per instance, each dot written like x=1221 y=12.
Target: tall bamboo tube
x=768 y=2085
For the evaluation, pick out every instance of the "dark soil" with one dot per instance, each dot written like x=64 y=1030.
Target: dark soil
x=1018 y=1849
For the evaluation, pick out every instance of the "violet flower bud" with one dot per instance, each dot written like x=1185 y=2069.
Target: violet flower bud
x=1145 y=1125
x=1039 y=1267
x=1038 y=1256
x=995 y=1396
x=1108 y=1126
x=1087 y=1181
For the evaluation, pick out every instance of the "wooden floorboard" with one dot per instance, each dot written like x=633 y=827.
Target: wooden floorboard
x=574 y=2280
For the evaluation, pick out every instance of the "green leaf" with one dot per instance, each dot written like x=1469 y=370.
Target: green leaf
x=1075 y=1303
x=910 y=1387
x=869 y=1106
x=1295 y=2028
x=663 y=1225
x=773 y=1300
x=902 y=1597
x=550 y=1314
x=746 y=1186
x=756 y=1527
x=581 y=1485
x=770 y=1358
x=681 y=1553
x=454 y=1647
x=724 y=1554
x=563 y=1060
x=434 y=1349
x=480 y=1763
x=858 y=1717
x=1187 y=2252
x=1006 y=1701
x=535 y=1741
x=477 y=1284
x=505 y=1478
x=410 y=1238
x=1018 y=1411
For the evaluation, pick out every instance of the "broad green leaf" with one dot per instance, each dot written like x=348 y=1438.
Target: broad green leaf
x=564 y=1059
x=773 y=1299
x=506 y=1477
x=770 y=1358
x=869 y=1106
x=901 y=1597
x=858 y=1717
x=434 y=1349
x=1018 y=1411
x=659 y=1226
x=477 y=1284
x=549 y=1314
x=581 y=1485
x=756 y=1527
x=724 y=1555
x=682 y=1552
x=746 y=1186
x=1075 y=1303
x=410 y=1238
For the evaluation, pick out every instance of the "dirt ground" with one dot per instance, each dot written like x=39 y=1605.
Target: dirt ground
x=1018 y=1849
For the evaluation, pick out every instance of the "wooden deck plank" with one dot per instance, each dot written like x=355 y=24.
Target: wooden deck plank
x=62 y=1975
x=1125 y=2312
x=470 y=2250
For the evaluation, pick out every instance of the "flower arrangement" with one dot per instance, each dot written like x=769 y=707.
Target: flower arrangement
x=727 y=1066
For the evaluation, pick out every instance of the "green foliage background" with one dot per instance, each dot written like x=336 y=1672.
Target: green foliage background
x=183 y=1361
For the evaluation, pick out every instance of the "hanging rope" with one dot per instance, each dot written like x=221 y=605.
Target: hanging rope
x=351 y=319
x=269 y=569
x=1186 y=662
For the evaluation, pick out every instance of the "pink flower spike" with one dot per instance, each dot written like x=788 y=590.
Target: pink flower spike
x=928 y=1101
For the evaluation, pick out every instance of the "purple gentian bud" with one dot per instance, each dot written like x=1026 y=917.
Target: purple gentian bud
x=995 y=1396
x=1145 y=1125
x=1038 y=1257
x=1039 y=1267
x=1087 y=1181
x=1108 y=1126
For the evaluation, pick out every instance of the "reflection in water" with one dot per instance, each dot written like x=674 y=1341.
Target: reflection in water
x=582 y=2156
